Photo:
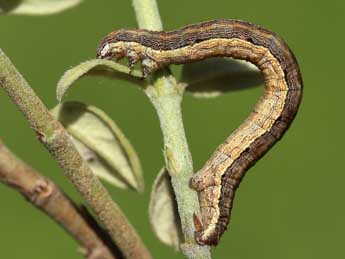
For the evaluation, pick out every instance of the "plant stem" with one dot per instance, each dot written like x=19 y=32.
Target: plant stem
x=53 y=136
x=166 y=95
x=46 y=196
x=147 y=14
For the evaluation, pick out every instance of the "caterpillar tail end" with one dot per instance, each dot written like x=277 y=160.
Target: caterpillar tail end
x=201 y=237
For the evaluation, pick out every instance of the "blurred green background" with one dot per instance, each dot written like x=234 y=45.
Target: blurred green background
x=290 y=205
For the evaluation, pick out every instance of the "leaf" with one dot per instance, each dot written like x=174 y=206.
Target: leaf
x=99 y=167
x=163 y=213
x=96 y=67
x=102 y=144
x=214 y=76
x=36 y=7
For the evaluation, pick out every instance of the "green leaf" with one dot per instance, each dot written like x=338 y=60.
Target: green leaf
x=99 y=166
x=100 y=67
x=163 y=213
x=102 y=144
x=214 y=76
x=36 y=7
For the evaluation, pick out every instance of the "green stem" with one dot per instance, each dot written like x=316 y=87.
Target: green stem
x=54 y=137
x=147 y=14
x=166 y=96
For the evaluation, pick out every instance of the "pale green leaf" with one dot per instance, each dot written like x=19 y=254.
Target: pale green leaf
x=101 y=67
x=163 y=212
x=36 y=7
x=102 y=144
x=212 y=77
x=98 y=166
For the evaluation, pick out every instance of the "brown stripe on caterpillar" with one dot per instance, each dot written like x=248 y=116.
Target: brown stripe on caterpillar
x=218 y=180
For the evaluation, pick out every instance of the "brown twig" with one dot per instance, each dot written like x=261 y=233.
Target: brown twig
x=46 y=196
x=54 y=137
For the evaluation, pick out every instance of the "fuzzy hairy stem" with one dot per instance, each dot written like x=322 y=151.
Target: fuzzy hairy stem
x=46 y=196
x=147 y=14
x=54 y=137
x=166 y=95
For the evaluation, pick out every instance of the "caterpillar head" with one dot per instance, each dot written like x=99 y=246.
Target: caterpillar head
x=114 y=47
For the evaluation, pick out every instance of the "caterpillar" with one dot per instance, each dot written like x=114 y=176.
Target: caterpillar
x=218 y=180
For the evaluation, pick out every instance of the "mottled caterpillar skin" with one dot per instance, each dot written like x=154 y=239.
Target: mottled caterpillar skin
x=218 y=180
